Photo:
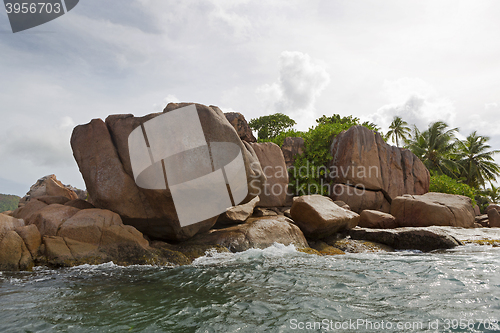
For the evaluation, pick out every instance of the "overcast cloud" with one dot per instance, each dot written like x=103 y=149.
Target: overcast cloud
x=423 y=60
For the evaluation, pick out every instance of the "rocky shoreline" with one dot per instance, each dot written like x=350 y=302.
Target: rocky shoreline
x=60 y=226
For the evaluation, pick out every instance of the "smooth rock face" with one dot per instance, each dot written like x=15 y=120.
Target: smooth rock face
x=423 y=239
x=318 y=216
x=377 y=220
x=49 y=219
x=240 y=125
x=494 y=218
x=14 y=255
x=101 y=151
x=49 y=186
x=238 y=214
x=291 y=148
x=8 y=223
x=360 y=199
x=31 y=237
x=255 y=233
x=96 y=236
x=362 y=158
x=273 y=165
x=433 y=209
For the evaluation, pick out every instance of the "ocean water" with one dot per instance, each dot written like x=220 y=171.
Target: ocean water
x=273 y=290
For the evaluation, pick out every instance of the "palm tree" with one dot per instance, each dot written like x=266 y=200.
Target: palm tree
x=435 y=147
x=493 y=194
x=476 y=160
x=398 y=130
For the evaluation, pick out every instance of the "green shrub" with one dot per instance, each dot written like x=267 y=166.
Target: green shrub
x=312 y=164
x=445 y=184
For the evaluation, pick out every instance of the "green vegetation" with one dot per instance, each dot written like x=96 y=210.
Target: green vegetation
x=457 y=166
x=309 y=172
x=466 y=162
x=445 y=184
x=8 y=202
x=268 y=127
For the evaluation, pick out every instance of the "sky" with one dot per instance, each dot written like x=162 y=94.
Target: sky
x=421 y=60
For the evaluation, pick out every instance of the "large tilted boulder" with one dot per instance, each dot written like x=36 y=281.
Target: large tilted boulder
x=318 y=216
x=377 y=220
x=240 y=125
x=423 y=239
x=291 y=148
x=273 y=164
x=362 y=158
x=102 y=153
x=433 y=209
x=255 y=233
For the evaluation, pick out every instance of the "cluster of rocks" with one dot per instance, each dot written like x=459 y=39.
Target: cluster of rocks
x=121 y=222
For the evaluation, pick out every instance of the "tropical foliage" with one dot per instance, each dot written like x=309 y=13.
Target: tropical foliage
x=445 y=184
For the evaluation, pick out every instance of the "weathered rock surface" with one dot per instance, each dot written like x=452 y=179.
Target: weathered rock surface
x=101 y=151
x=433 y=209
x=359 y=199
x=97 y=236
x=377 y=220
x=496 y=207
x=29 y=209
x=240 y=125
x=48 y=186
x=238 y=214
x=261 y=212
x=291 y=148
x=31 y=238
x=50 y=199
x=483 y=220
x=80 y=204
x=49 y=219
x=273 y=164
x=318 y=216
x=362 y=158
x=14 y=255
x=423 y=239
x=494 y=218
x=8 y=223
x=255 y=233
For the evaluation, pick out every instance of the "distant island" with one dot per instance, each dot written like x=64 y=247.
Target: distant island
x=8 y=202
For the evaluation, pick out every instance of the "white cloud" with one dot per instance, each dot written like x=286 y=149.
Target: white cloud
x=301 y=80
x=416 y=101
x=489 y=106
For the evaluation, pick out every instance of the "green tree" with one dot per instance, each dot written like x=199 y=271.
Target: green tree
x=268 y=127
x=436 y=148
x=398 y=130
x=476 y=160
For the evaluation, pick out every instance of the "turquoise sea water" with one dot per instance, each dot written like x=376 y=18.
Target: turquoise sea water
x=273 y=290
